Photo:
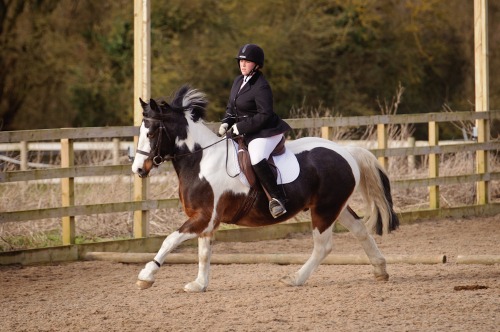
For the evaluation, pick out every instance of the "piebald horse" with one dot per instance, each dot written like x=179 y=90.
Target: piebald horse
x=211 y=194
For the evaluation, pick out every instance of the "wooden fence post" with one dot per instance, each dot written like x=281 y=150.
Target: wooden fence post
x=142 y=89
x=68 y=191
x=482 y=94
x=23 y=151
x=382 y=143
x=433 y=165
x=326 y=133
x=411 y=158
x=116 y=151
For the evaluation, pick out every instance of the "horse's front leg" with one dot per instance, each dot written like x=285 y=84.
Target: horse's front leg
x=146 y=276
x=204 y=254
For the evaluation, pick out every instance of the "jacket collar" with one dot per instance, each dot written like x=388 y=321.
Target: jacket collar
x=249 y=84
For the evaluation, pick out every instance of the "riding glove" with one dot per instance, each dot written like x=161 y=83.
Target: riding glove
x=232 y=132
x=223 y=129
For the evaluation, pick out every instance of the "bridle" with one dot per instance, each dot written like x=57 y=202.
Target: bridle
x=155 y=155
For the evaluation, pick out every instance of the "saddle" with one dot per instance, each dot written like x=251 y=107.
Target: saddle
x=246 y=165
x=247 y=169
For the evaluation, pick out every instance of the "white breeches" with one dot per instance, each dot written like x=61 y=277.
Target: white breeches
x=261 y=148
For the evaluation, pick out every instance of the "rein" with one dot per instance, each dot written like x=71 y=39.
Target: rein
x=155 y=152
x=157 y=160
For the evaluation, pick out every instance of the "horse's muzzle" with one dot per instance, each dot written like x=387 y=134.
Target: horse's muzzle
x=142 y=173
x=145 y=169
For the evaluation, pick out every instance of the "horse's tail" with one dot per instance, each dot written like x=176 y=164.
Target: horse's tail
x=375 y=188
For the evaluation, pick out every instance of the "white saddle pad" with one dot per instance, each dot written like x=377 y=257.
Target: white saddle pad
x=287 y=164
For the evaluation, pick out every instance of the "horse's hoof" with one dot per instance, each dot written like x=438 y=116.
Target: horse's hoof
x=143 y=284
x=289 y=281
x=382 y=277
x=194 y=287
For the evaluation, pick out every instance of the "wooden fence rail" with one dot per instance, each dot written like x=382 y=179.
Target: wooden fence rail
x=68 y=171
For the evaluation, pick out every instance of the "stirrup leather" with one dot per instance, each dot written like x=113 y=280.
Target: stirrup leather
x=276 y=208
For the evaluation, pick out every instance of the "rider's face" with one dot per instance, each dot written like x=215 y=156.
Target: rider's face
x=246 y=67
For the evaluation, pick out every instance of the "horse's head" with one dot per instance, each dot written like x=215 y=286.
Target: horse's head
x=165 y=127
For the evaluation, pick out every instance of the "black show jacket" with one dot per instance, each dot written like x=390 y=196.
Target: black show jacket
x=252 y=109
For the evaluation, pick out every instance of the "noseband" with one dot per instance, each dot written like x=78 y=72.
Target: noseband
x=155 y=155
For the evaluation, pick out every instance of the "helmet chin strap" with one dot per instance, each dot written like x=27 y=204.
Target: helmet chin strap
x=254 y=69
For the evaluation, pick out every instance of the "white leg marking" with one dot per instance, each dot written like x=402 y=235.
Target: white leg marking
x=358 y=229
x=204 y=254
x=170 y=243
x=322 y=247
x=146 y=277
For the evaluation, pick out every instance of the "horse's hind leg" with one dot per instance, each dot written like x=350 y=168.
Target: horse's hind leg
x=358 y=229
x=204 y=254
x=322 y=247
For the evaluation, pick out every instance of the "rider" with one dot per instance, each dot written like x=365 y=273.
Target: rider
x=250 y=113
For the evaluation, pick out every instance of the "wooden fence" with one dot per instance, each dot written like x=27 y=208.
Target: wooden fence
x=68 y=171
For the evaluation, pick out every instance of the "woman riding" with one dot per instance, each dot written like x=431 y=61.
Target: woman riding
x=250 y=113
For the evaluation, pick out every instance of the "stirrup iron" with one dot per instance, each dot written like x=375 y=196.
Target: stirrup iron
x=276 y=208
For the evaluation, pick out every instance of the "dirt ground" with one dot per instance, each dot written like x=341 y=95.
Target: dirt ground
x=101 y=296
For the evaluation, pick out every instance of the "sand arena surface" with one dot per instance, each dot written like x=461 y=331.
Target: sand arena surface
x=101 y=296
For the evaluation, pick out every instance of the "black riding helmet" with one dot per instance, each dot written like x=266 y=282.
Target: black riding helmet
x=251 y=52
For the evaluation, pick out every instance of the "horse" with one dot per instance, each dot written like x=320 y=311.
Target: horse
x=211 y=194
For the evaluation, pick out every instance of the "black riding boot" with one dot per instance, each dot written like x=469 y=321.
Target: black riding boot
x=268 y=181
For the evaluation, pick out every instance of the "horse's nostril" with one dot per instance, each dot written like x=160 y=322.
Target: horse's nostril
x=140 y=172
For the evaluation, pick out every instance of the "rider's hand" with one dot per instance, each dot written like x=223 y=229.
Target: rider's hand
x=223 y=129
x=232 y=132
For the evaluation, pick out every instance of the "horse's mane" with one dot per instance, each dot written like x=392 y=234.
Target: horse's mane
x=189 y=99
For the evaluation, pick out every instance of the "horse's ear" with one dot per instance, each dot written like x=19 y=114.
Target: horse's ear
x=153 y=105
x=143 y=103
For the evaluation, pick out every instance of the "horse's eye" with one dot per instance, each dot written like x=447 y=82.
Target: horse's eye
x=150 y=135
